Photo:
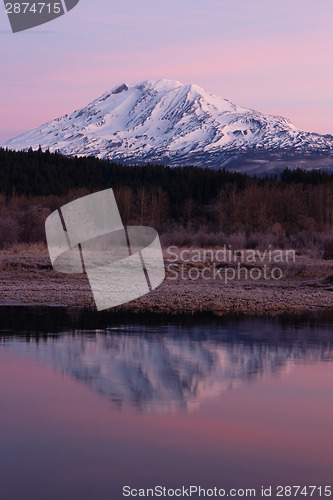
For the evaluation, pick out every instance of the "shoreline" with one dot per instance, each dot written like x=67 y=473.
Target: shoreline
x=28 y=279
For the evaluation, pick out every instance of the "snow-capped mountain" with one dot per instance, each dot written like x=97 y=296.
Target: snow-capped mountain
x=167 y=122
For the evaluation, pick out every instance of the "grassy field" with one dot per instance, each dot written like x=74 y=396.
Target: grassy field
x=196 y=281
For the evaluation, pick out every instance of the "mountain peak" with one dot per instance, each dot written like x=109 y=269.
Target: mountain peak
x=160 y=85
x=168 y=122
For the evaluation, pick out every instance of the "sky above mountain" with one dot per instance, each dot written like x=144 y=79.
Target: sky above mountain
x=271 y=56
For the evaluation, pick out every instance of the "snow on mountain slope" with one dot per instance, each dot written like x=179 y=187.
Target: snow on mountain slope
x=167 y=122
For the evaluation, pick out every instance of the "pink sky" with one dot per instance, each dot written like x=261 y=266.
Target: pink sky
x=271 y=56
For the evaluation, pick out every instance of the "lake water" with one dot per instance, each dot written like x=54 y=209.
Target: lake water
x=90 y=403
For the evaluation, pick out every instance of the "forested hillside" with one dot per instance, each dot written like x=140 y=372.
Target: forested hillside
x=180 y=201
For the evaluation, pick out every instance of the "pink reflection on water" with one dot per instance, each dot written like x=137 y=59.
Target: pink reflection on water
x=57 y=436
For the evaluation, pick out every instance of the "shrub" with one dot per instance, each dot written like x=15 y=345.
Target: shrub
x=328 y=248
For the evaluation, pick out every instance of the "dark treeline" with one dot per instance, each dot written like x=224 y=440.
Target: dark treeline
x=196 y=200
x=35 y=173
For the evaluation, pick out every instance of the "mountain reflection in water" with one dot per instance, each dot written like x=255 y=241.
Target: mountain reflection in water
x=170 y=367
